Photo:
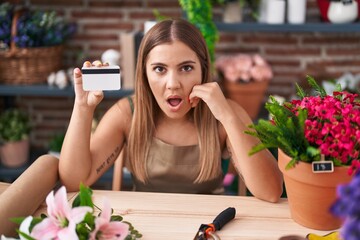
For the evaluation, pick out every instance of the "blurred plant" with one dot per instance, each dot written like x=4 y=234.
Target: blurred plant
x=348 y=82
x=199 y=13
x=35 y=28
x=6 y=14
x=56 y=142
x=347 y=207
x=14 y=126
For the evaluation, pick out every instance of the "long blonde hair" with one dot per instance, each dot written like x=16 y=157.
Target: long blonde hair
x=146 y=108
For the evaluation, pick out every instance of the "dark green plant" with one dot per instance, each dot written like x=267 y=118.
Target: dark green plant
x=285 y=133
x=14 y=126
x=56 y=142
x=199 y=13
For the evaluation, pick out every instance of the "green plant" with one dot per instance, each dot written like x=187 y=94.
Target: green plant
x=199 y=13
x=317 y=125
x=56 y=142
x=35 y=28
x=14 y=126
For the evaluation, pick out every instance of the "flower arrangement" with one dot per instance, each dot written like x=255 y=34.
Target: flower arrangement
x=312 y=126
x=244 y=68
x=76 y=222
x=35 y=28
x=347 y=207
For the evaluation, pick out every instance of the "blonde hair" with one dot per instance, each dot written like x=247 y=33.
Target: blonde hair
x=146 y=108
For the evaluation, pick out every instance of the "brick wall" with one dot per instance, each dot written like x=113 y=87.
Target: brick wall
x=292 y=55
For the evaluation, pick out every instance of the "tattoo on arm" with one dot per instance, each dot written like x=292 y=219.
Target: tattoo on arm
x=109 y=159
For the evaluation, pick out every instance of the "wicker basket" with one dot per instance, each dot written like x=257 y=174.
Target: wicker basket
x=28 y=65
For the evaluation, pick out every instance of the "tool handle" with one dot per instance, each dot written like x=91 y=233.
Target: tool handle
x=224 y=217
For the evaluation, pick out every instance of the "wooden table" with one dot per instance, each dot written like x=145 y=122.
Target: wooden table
x=178 y=216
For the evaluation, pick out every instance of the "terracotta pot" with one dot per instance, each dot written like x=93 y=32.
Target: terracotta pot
x=14 y=154
x=311 y=194
x=249 y=95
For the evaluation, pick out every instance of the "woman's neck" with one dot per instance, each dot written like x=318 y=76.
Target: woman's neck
x=178 y=132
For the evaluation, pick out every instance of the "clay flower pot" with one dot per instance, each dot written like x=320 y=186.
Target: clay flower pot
x=311 y=194
x=15 y=154
x=248 y=95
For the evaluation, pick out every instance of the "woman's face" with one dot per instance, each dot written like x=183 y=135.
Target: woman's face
x=172 y=70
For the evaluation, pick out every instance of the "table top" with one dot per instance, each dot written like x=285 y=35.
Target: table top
x=178 y=216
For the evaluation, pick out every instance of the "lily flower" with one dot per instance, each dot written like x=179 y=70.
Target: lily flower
x=105 y=229
x=62 y=219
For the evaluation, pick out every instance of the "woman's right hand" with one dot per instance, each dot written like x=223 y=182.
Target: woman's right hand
x=86 y=98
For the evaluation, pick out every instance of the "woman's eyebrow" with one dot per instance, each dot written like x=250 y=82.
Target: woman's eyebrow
x=187 y=62
x=158 y=64
x=180 y=64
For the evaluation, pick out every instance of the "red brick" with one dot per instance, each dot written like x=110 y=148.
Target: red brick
x=66 y=3
x=109 y=26
x=81 y=15
x=115 y=4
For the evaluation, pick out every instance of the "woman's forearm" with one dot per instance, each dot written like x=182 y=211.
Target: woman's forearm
x=75 y=159
x=260 y=171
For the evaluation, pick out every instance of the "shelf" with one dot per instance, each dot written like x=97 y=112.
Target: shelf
x=307 y=27
x=47 y=91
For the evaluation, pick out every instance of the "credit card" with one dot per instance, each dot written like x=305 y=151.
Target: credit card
x=105 y=78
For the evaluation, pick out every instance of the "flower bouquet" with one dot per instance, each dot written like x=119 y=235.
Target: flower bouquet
x=315 y=130
x=76 y=222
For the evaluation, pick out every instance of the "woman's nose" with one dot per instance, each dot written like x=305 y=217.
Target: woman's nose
x=173 y=81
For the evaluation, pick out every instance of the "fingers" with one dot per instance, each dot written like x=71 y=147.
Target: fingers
x=96 y=63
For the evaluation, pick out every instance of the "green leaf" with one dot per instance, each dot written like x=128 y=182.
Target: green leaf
x=17 y=220
x=316 y=86
x=299 y=91
x=84 y=198
x=116 y=218
x=25 y=236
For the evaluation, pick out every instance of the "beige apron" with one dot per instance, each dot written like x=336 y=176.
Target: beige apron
x=173 y=169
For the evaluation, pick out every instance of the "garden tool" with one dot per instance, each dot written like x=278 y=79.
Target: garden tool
x=207 y=231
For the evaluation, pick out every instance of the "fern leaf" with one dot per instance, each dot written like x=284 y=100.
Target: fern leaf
x=316 y=86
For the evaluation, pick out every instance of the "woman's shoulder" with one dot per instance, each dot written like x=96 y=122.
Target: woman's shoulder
x=119 y=115
x=125 y=105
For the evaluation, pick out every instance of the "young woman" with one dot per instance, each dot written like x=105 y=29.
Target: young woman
x=174 y=129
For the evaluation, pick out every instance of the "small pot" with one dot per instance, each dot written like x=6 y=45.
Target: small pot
x=15 y=154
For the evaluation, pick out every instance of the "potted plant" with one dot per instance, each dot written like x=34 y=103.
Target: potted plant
x=245 y=79
x=308 y=131
x=55 y=144
x=14 y=137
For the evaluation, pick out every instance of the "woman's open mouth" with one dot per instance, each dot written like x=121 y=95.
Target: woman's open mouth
x=174 y=103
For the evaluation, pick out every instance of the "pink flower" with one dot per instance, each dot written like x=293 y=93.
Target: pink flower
x=244 y=67
x=62 y=219
x=332 y=125
x=106 y=229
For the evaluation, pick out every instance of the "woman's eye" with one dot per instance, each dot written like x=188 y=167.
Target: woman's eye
x=187 y=68
x=159 y=69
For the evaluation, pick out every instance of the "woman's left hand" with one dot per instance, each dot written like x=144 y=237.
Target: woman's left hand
x=214 y=98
